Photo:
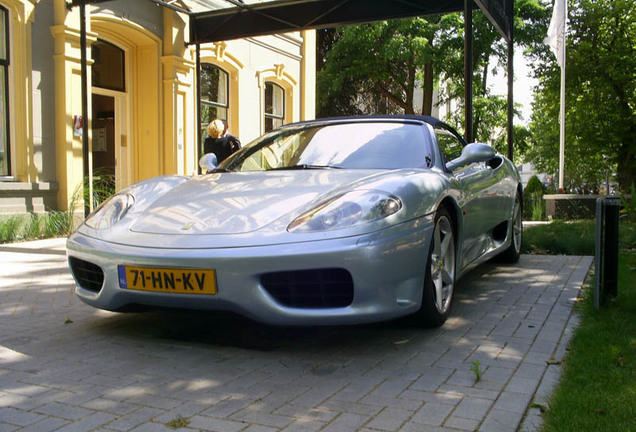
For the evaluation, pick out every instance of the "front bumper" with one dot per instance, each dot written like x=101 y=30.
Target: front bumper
x=387 y=268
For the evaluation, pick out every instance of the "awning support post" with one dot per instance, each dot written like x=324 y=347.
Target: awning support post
x=84 y=79
x=197 y=75
x=511 y=104
x=468 y=70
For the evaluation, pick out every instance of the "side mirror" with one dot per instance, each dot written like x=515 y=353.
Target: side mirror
x=475 y=152
x=208 y=162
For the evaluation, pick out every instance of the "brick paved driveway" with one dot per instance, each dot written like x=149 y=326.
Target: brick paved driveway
x=65 y=366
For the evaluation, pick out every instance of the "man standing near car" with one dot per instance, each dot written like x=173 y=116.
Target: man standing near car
x=219 y=141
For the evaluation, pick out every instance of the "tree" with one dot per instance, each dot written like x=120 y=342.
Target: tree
x=600 y=96
x=374 y=68
x=333 y=103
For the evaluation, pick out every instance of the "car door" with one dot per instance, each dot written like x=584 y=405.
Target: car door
x=479 y=200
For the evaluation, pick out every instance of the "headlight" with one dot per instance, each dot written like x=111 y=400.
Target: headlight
x=346 y=210
x=110 y=212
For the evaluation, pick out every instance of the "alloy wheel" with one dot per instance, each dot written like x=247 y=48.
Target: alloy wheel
x=443 y=264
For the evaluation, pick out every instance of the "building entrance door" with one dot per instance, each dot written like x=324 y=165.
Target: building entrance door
x=110 y=149
x=110 y=154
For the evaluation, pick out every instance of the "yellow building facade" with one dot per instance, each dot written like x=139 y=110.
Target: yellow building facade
x=143 y=95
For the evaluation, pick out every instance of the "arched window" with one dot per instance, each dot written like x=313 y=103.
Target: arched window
x=214 y=95
x=274 y=106
x=5 y=150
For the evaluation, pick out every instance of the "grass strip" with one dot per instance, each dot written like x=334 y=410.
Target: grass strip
x=572 y=238
x=597 y=391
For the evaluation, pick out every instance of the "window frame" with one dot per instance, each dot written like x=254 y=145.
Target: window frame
x=215 y=104
x=441 y=132
x=120 y=51
x=270 y=115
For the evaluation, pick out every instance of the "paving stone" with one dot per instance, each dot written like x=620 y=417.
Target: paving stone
x=217 y=425
x=500 y=421
x=63 y=411
x=136 y=372
x=304 y=425
x=339 y=406
x=390 y=419
x=432 y=414
x=262 y=418
x=461 y=423
x=321 y=413
x=473 y=408
x=134 y=419
x=18 y=417
x=523 y=385
x=447 y=398
x=90 y=422
x=513 y=402
x=431 y=379
x=355 y=391
x=260 y=428
x=228 y=407
x=110 y=406
x=346 y=422
x=48 y=424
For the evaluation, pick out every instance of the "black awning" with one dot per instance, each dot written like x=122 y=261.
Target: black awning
x=292 y=15
x=216 y=20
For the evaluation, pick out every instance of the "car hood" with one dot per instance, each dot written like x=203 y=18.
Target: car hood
x=237 y=203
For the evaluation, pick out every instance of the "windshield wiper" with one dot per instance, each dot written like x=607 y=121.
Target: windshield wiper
x=304 y=167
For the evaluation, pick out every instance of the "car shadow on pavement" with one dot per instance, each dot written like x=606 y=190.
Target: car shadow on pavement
x=221 y=329
x=228 y=330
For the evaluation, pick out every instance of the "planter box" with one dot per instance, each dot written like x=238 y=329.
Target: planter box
x=570 y=206
x=18 y=197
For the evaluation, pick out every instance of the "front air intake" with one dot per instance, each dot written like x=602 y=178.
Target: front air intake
x=310 y=289
x=87 y=275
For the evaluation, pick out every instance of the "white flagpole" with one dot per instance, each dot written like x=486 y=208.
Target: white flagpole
x=562 y=116
x=556 y=40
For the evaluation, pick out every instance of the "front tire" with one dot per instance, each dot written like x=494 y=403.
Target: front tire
x=439 y=279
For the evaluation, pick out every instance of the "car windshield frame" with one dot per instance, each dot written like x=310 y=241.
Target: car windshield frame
x=382 y=144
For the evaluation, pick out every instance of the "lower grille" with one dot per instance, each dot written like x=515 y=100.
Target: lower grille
x=310 y=289
x=87 y=275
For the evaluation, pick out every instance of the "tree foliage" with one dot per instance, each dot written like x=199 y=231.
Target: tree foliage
x=600 y=96
x=375 y=68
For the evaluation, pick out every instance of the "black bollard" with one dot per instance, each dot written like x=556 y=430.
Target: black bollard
x=606 y=263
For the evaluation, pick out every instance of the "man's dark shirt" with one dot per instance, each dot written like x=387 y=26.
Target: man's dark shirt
x=221 y=147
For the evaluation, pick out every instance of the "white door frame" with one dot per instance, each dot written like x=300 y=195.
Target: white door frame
x=123 y=165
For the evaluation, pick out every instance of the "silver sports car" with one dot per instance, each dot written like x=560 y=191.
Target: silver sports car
x=332 y=221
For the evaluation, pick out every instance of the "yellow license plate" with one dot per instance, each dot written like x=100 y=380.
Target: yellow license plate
x=168 y=280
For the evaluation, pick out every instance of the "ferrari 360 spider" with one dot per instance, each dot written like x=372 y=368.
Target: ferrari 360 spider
x=331 y=221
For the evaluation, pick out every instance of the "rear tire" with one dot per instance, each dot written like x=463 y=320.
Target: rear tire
x=512 y=254
x=439 y=278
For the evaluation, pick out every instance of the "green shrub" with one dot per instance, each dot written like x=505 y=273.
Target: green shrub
x=33 y=226
x=57 y=223
x=31 y=229
x=629 y=204
x=533 y=204
x=103 y=187
x=10 y=229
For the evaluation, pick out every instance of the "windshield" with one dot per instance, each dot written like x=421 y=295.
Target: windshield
x=364 y=145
